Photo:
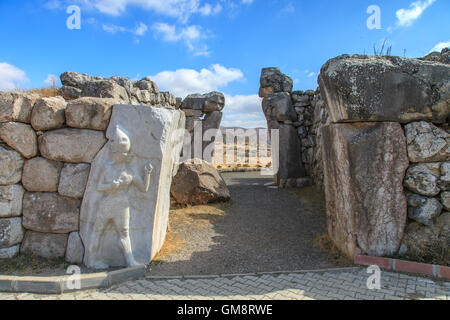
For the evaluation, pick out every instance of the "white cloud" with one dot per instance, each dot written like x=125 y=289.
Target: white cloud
x=11 y=77
x=406 y=17
x=181 y=9
x=52 y=80
x=440 y=46
x=139 y=30
x=187 y=81
x=244 y=103
x=53 y=4
x=191 y=36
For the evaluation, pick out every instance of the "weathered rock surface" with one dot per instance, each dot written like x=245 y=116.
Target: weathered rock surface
x=46 y=245
x=50 y=213
x=41 y=175
x=105 y=89
x=11 y=200
x=193 y=102
x=11 y=164
x=75 y=79
x=428 y=242
x=89 y=113
x=48 y=113
x=364 y=167
x=21 y=137
x=444 y=180
x=16 y=106
x=401 y=90
x=198 y=182
x=445 y=200
x=423 y=209
x=273 y=81
x=290 y=154
x=8 y=253
x=69 y=93
x=11 y=232
x=215 y=101
x=75 y=249
x=279 y=107
x=73 y=180
x=423 y=179
x=150 y=136
x=71 y=145
x=426 y=142
x=193 y=113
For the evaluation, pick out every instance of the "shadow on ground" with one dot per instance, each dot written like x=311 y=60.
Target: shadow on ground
x=264 y=229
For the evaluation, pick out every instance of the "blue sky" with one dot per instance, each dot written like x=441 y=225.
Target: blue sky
x=190 y=46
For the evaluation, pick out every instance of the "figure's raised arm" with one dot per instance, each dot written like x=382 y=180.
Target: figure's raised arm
x=144 y=184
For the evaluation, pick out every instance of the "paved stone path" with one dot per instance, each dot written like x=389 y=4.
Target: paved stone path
x=343 y=284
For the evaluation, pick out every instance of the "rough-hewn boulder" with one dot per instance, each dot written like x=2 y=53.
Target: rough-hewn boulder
x=75 y=249
x=193 y=113
x=198 y=182
x=423 y=179
x=423 y=209
x=279 y=107
x=69 y=93
x=215 y=101
x=48 y=113
x=105 y=89
x=290 y=152
x=75 y=79
x=16 y=106
x=426 y=142
x=73 y=180
x=444 y=180
x=11 y=164
x=11 y=252
x=11 y=232
x=445 y=200
x=41 y=175
x=46 y=245
x=11 y=200
x=428 y=242
x=273 y=81
x=375 y=88
x=50 y=212
x=71 y=145
x=193 y=102
x=364 y=167
x=89 y=113
x=21 y=137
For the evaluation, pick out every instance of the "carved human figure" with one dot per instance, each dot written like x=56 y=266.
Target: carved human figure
x=114 y=206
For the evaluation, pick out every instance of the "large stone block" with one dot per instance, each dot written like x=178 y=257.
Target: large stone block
x=124 y=214
x=71 y=145
x=273 y=81
x=48 y=113
x=41 y=175
x=423 y=179
x=73 y=180
x=16 y=106
x=21 y=137
x=75 y=249
x=50 y=213
x=193 y=102
x=289 y=160
x=8 y=253
x=423 y=210
x=375 y=88
x=89 y=113
x=105 y=89
x=279 y=107
x=11 y=200
x=46 y=245
x=11 y=232
x=364 y=167
x=198 y=182
x=11 y=164
x=426 y=142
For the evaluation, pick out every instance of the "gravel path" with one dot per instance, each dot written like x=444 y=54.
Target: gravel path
x=265 y=229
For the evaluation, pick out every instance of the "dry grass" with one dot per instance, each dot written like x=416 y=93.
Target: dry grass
x=43 y=92
x=29 y=264
x=185 y=218
x=324 y=243
x=243 y=157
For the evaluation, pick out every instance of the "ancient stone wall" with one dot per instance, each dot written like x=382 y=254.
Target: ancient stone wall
x=203 y=113
x=386 y=155
x=47 y=146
